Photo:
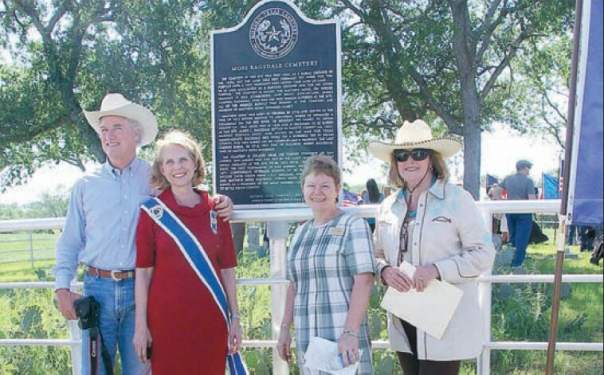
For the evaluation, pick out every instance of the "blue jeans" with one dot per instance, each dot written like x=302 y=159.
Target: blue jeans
x=520 y=227
x=116 y=323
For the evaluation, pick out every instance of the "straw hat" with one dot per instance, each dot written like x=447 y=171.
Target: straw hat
x=117 y=105
x=416 y=134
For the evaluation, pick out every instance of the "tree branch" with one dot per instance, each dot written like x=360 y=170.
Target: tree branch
x=553 y=106
x=75 y=162
x=33 y=15
x=59 y=13
x=485 y=32
x=375 y=124
x=554 y=130
x=451 y=122
x=354 y=8
x=513 y=48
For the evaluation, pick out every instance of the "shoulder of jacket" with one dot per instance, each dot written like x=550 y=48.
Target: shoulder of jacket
x=389 y=200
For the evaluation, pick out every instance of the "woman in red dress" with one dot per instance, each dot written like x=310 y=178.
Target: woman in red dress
x=175 y=313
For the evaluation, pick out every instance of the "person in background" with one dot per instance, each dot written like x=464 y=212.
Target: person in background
x=176 y=300
x=520 y=186
x=100 y=227
x=330 y=271
x=372 y=196
x=500 y=223
x=437 y=227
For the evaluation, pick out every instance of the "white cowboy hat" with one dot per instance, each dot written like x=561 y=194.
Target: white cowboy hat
x=117 y=105
x=416 y=134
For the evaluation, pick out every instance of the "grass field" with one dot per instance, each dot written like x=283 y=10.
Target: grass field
x=19 y=247
x=520 y=312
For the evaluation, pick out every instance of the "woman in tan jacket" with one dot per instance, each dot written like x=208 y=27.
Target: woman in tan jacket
x=437 y=227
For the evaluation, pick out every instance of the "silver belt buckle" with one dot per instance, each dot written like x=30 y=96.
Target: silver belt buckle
x=114 y=275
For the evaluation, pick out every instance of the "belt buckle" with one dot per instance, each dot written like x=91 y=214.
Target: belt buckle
x=114 y=275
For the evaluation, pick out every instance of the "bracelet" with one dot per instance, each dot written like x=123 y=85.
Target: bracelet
x=350 y=333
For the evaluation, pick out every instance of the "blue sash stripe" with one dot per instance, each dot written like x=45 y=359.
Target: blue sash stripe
x=192 y=250
x=197 y=258
x=236 y=365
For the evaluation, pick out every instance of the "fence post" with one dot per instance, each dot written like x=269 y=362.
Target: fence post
x=277 y=234
x=76 y=349
x=31 y=248
x=483 y=365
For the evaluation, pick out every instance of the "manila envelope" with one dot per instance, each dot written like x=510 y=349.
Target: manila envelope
x=431 y=310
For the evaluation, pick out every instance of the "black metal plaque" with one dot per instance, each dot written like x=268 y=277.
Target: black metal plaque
x=276 y=100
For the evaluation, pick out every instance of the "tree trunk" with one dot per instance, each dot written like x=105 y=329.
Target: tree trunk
x=471 y=160
x=464 y=50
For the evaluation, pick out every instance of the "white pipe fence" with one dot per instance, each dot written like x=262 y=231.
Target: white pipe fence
x=278 y=235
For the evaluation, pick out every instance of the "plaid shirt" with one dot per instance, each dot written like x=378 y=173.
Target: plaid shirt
x=322 y=261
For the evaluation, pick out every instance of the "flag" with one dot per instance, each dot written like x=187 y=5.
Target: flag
x=350 y=197
x=586 y=193
x=550 y=187
x=491 y=180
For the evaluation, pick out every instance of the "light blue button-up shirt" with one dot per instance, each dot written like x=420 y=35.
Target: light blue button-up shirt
x=100 y=227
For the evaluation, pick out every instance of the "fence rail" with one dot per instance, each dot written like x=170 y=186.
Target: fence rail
x=277 y=232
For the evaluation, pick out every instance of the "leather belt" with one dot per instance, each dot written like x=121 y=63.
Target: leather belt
x=116 y=275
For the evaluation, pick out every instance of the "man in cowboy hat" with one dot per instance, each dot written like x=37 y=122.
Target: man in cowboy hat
x=100 y=228
x=520 y=186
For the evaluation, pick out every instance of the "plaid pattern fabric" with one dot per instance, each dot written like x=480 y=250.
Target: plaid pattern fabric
x=323 y=261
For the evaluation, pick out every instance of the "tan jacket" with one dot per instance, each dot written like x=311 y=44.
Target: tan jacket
x=451 y=234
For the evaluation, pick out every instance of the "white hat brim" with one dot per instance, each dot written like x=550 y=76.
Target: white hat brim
x=131 y=111
x=447 y=147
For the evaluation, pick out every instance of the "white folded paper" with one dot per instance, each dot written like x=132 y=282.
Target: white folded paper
x=322 y=355
x=430 y=310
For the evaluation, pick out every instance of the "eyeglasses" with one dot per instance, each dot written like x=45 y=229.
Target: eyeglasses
x=418 y=154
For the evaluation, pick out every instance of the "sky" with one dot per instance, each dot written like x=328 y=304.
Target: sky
x=500 y=150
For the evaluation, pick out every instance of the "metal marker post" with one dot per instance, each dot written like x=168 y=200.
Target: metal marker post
x=570 y=126
x=277 y=234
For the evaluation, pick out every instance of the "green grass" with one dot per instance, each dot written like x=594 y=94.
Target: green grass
x=17 y=247
x=521 y=312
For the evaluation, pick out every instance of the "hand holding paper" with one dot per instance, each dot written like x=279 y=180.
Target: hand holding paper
x=430 y=310
x=323 y=355
x=423 y=276
x=397 y=279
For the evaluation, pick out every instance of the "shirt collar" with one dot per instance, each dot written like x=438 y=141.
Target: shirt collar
x=130 y=168
x=438 y=189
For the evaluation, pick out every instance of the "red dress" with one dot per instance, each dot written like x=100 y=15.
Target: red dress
x=188 y=331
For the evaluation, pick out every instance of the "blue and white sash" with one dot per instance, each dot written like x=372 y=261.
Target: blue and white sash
x=197 y=258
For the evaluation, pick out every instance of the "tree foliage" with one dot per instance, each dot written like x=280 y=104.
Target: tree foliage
x=67 y=55
x=460 y=64
x=537 y=106
x=450 y=60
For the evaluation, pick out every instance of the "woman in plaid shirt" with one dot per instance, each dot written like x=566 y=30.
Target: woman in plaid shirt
x=331 y=270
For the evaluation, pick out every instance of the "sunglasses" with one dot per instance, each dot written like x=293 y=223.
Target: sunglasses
x=418 y=154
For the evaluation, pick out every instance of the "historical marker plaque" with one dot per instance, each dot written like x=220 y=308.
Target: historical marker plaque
x=276 y=100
